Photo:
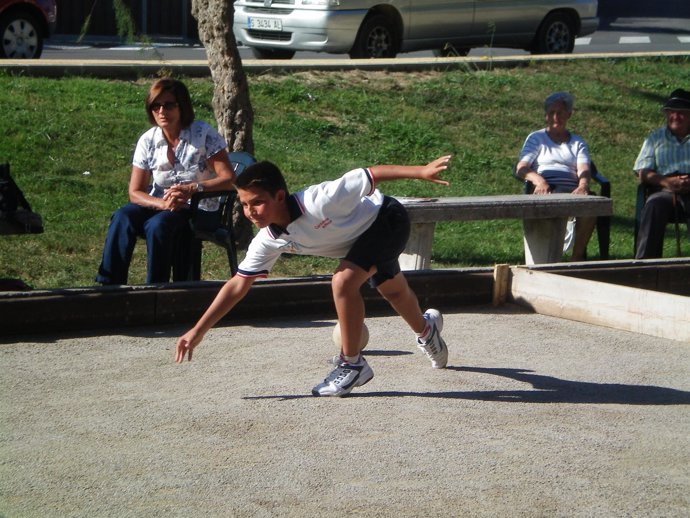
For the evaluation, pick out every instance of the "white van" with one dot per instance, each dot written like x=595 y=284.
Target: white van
x=381 y=29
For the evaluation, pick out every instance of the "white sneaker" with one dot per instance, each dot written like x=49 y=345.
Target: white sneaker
x=435 y=348
x=344 y=378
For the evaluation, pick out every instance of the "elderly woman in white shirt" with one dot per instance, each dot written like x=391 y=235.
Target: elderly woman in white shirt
x=175 y=158
x=555 y=160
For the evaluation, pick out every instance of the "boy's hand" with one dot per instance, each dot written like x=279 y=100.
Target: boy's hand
x=433 y=169
x=186 y=345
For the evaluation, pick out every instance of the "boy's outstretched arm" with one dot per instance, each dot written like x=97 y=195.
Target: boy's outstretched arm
x=430 y=172
x=229 y=295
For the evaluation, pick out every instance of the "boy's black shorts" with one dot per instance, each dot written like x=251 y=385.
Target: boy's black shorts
x=383 y=242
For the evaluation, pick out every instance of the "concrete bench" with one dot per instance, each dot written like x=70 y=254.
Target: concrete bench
x=544 y=221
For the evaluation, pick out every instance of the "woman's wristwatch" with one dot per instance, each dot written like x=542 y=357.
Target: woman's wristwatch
x=199 y=187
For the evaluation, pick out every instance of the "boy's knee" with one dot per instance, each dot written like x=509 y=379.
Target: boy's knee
x=342 y=283
x=338 y=281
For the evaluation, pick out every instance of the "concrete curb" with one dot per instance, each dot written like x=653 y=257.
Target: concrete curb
x=123 y=69
x=183 y=303
x=100 y=308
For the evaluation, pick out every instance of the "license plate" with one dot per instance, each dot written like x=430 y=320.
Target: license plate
x=265 y=24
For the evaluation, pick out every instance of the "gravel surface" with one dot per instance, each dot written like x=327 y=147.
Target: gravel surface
x=534 y=416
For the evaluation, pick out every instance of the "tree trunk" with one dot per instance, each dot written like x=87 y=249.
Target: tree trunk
x=231 y=104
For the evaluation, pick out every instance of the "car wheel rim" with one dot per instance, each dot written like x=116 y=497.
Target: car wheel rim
x=20 y=40
x=558 y=38
x=378 y=43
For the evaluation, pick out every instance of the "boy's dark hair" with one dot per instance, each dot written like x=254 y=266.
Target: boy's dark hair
x=263 y=175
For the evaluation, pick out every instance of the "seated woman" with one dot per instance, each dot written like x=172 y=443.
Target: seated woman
x=175 y=158
x=557 y=161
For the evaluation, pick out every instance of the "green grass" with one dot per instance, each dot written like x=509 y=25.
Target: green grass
x=316 y=126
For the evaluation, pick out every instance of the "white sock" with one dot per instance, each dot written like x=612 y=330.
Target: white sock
x=424 y=335
x=351 y=359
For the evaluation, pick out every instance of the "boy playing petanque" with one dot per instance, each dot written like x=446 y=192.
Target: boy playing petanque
x=349 y=219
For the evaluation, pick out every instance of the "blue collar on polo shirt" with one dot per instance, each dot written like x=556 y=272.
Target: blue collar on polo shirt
x=295 y=210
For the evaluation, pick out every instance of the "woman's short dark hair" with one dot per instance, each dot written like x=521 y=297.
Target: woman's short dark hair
x=179 y=90
x=262 y=175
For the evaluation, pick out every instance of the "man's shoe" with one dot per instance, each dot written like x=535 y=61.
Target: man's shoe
x=434 y=347
x=344 y=378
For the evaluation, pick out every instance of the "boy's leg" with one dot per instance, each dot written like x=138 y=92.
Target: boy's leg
x=346 y=285
x=404 y=301
x=374 y=257
x=352 y=370
x=428 y=326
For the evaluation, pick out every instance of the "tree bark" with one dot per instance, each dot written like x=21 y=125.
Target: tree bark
x=231 y=103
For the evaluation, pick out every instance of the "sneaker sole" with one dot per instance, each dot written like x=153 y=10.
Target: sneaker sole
x=347 y=391
x=445 y=360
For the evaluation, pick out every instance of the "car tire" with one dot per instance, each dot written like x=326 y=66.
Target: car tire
x=264 y=53
x=556 y=35
x=376 y=38
x=20 y=37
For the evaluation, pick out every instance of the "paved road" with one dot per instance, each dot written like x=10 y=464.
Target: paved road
x=617 y=35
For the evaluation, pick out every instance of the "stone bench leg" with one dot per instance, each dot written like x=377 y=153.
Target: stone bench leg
x=544 y=240
x=417 y=254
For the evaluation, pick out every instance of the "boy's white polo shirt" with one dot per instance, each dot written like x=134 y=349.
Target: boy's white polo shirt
x=326 y=220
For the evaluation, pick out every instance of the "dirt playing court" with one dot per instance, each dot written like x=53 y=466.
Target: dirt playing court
x=535 y=416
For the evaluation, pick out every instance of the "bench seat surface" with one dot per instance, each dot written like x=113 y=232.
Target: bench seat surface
x=510 y=206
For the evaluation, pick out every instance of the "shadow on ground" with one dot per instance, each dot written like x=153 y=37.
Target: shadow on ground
x=546 y=389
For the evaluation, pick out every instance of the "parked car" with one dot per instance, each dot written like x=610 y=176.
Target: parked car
x=24 y=24
x=383 y=28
